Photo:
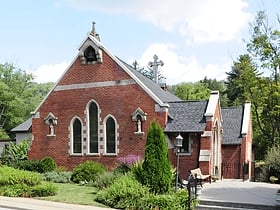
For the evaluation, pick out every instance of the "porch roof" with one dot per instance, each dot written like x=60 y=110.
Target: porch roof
x=23 y=127
x=232 y=125
x=186 y=116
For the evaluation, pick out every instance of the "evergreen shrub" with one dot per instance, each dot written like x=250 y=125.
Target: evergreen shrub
x=47 y=164
x=87 y=171
x=156 y=174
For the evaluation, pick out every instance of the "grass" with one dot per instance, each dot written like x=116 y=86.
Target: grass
x=75 y=194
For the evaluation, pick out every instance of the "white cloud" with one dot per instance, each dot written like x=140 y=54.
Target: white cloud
x=198 y=21
x=179 y=69
x=49 y=73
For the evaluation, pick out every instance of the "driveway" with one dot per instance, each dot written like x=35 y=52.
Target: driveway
x=256 y=194
x=10 y=203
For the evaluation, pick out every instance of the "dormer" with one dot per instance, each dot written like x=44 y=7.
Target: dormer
x=90 y=53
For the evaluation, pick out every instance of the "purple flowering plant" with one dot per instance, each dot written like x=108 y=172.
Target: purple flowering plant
x=129 y=159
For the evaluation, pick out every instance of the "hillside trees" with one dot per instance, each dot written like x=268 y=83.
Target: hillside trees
x=19 y=95
x=255 y=77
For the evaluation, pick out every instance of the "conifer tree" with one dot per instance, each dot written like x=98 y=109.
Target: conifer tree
x=156 y=166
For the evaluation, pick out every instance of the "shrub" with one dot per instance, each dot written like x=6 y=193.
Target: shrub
x=137 y=170
x=105 y=180
x=22 y=190
x=124 y=193
x=12 y=176
x=127 y=193
x=15 y=182
x=125 y=163
x=44 y=189
x=177 y=200
x=30 y=165
x=272 y=163
x=14 y=153
x=57 y=177
x=156 y=166
x=87 y=171
x=47 y=164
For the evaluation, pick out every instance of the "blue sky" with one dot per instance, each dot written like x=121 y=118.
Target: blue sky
x=194 y=38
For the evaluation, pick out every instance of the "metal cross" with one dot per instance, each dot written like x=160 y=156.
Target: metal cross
x=155 y=65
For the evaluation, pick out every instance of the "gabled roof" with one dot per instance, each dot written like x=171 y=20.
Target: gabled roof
x=232 y=125
x=186 y=116
x=23 y=127
x=150 y=87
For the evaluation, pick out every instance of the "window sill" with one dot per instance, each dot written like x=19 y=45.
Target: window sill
x=77 y=154
x=185 y=154
x=110 y=154
x=92 y=154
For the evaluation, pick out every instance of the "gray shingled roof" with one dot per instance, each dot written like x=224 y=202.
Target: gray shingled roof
x=186 y=116
x=23 y=127
x=232 y=125
x=164 y=96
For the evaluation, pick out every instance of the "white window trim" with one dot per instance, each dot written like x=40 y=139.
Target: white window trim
x=71 y=137
x=105 y=138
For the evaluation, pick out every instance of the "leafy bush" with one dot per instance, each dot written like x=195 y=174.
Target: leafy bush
x=30 y=165
x=272 y=163
x=12 y=176
x=137 y=170
x=47 y=164
x=57 y=177
x=87 y=171
x=127 y=193
x=124 y=193
x=15 y=182
x=14 y=153
x=177 y=200
x=44 y=189
x=105 y=180
x=22 y=190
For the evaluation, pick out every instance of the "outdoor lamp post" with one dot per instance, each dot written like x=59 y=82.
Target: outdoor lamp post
x=178 y=145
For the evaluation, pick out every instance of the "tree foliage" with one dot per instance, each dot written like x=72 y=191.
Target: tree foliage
x=156 y=166
x=148 y=72
x=255 y=78
x=19 y=95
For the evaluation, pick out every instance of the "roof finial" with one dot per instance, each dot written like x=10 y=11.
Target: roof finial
x=93 y=32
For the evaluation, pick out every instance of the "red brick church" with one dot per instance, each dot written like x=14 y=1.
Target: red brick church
x=101 y=108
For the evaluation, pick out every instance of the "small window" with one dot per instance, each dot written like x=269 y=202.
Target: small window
x=90 y=54
x=186 y=143
x=110 y=136
x=77 y=136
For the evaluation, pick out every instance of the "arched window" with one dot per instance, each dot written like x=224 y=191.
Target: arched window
x=76 y=136
x=110 y=136
x=93 y=127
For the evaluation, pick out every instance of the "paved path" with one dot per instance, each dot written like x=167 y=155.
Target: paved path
x=237 y=191
x=9 y=203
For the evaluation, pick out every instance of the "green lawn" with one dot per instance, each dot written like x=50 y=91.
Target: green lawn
x=73 y=193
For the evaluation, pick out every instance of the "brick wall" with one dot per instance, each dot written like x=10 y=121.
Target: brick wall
x=117 y=100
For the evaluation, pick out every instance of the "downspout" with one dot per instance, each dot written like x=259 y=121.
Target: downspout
x=239 y=164
x=199 y=148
